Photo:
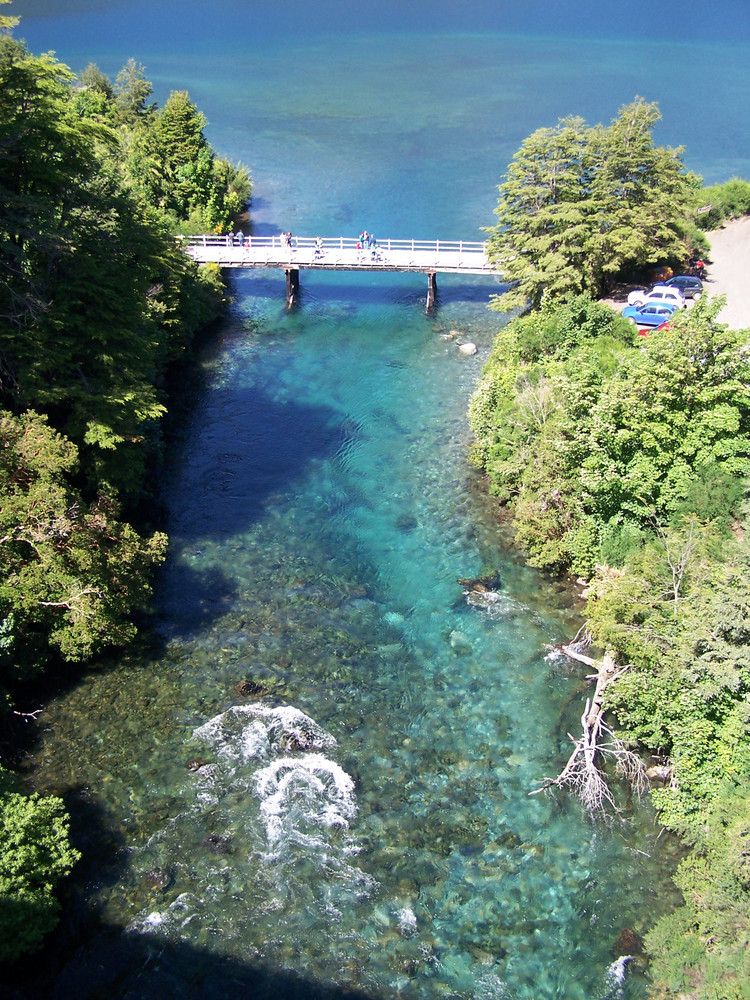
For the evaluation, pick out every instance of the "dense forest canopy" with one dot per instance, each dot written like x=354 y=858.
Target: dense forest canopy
x=625 y=460
x=96 y=303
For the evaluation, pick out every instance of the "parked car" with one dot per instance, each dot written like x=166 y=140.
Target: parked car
x=650 y=314
x=657 y=293
x=690 y=285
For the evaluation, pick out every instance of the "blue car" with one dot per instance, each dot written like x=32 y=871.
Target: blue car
x=649 y=314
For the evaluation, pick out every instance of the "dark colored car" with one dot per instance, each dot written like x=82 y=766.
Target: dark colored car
x=690 y=286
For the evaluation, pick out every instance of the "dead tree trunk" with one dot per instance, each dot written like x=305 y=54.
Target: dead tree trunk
x=583 y=772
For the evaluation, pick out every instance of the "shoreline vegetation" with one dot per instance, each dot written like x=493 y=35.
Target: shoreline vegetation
x=99 y=305
x=623 y=460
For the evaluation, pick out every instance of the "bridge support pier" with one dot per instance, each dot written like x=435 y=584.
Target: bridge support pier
x=431 y=290
x=292 y=286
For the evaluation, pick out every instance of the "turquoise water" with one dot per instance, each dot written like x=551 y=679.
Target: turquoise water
x=315 y=778
x=364 y=816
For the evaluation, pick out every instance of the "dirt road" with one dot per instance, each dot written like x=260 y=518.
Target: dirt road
x=729 y=271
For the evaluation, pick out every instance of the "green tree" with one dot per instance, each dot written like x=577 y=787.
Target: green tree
x=640 y=197
x=35 y=855
x=93 y=95
x=679 y=410
x=48 y=159
x=679 y=612
x=592 y=440
x=132 y=90
x=7 y=21
x=580 y=204
x=542 y=226
x=171 y=167
x=71 y=573
x=72 y=245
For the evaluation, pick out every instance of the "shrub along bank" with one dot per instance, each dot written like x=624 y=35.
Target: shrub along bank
x=625 y=459
x=96 y=304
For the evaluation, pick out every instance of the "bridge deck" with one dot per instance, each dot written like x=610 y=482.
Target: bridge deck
x=456 y=257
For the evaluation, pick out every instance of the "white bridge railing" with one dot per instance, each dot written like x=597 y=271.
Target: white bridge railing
x=335 y=243
x=342 y=253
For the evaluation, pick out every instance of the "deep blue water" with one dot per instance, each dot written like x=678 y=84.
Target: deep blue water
x=365 y=824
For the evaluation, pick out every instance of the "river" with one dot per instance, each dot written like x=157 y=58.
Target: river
x=313 y=777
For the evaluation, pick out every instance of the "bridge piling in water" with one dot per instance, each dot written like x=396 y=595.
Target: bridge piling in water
x=292 y=286
x=431 y=290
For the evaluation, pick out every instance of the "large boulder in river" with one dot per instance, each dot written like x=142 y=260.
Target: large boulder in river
x=480 y=584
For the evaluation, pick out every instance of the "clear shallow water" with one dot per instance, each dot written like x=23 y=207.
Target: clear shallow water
x=359 y=815
x=367 y=821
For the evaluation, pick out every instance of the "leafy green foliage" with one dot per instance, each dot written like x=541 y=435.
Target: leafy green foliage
x=96 y=303
x=131 y=91
x=722 y=202
x=703 y=949
x=96 y=295
x=592 y=438
x=628 y=461
x=581 y=204
x=7 y=21
x=35 y=854
x=169 y=163
x=71 y=574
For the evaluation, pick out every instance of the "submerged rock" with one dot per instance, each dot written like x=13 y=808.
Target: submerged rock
x=460 y=643
x=218 y=844
x=480 y=584
x=158 y=878
x=406 y=522
x=508 y=839
x=628 y=943
x=250 y=689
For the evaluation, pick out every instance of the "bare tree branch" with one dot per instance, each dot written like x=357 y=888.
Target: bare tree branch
x=597 y=743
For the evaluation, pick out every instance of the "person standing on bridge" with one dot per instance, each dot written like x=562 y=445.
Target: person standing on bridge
x=318 y=248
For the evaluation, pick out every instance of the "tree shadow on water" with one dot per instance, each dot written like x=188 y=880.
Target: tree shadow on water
x=118 y=965
x=251 y=447
x=88 y=959
x=249 y=450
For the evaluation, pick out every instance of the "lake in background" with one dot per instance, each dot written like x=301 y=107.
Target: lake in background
x=316 y=780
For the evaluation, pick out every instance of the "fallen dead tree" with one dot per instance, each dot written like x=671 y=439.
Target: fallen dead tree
x=597 y=745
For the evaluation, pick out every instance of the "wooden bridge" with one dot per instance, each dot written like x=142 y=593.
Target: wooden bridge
x=342 y=254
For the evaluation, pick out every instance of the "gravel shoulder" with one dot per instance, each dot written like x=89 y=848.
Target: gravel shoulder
x=729 y=271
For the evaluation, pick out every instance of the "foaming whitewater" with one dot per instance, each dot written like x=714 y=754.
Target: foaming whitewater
x=615 y=978
x=272 y=812
x=256 y=732
x=301 y=798
x=304 y=797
